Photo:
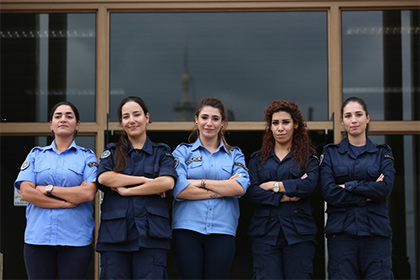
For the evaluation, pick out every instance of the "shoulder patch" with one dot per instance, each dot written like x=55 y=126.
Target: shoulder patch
x=25 y=165
x=237 y=163
x=93 y=163
x=389 y=156
x=105 y=154
x=199 y=158
x=321 y=159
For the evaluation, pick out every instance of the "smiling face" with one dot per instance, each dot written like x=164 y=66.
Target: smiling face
x=133 y=119
x=63 y=122
x=209 y=122
x=282 y=128
x=355 y=119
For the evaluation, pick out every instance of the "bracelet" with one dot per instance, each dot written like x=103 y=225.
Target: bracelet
x=203 y=184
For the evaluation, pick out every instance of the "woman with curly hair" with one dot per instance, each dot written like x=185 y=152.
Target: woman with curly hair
x=283 y=175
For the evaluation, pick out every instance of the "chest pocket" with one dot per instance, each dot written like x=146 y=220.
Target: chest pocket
x=43 y=174
x=265 y=175
x=341 y=174
x=150 y=171
x=295 y=173
x=42 y=168
x=228 y=170
x=373 y=172
x=76 y=172
x=195 y=169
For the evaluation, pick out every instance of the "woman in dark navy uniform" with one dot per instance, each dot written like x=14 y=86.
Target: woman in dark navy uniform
x=356 y=179
x=134 y=175
x=283 y=175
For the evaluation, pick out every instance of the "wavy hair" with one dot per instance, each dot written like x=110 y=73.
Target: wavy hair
x=301 y=143
x=122 y=147
x=215 y=103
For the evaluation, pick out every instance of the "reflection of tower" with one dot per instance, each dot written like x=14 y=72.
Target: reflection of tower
x=185 y=106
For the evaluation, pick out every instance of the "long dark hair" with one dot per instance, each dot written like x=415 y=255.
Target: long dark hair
x=122 y=147
x=361 y=102
x=301 y=143
x=215 y=103
x=68 y=103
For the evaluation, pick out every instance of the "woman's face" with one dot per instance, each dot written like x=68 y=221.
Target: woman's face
x=282 y=127
x=209 y=122
x=133 y=119
x=64 y=123
x=355 y=119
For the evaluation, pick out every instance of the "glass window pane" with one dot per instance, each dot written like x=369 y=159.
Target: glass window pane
x=247 y=60
x=45 y=59
x=404 y=203
x=381 y=62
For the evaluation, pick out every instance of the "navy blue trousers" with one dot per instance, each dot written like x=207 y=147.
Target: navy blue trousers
x=146 y=263
x=359 y=257
x=52 y=262
x=283 y=261
x=199 y=256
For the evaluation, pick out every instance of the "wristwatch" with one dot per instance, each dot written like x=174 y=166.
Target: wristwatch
x=276 y=187
x=49 y=189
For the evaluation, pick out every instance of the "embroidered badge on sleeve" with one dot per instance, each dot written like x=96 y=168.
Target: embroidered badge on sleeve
x=25 y=165
x=105 y=154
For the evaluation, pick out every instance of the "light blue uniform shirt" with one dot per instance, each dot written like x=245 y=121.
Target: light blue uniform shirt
x=207 y=216
x=59 y=226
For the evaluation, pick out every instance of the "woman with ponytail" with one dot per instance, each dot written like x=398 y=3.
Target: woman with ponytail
x=211 y=177
x=283 y=174
x=134 y=175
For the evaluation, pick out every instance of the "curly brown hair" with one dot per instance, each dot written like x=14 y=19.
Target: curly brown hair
x=301 y=143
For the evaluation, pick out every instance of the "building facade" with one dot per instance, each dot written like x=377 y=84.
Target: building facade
x=246 y=53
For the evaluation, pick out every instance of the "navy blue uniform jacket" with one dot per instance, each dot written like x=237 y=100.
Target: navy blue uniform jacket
x=270 y=216
x=128 y=223
x=348 y=209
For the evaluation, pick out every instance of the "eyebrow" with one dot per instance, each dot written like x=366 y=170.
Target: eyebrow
x=60 y=113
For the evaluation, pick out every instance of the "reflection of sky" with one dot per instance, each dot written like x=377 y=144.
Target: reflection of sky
x=245 y=59
x=363 y=61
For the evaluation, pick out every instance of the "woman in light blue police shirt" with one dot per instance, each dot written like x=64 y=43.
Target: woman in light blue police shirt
x=357 y=177
x=211 y=177
x=284 y=173
x=134 y=174
x=58 y=182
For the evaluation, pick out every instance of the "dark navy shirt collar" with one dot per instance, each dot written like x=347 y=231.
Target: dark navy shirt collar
x=273 y=154
x=147 y=147
x=344 y=146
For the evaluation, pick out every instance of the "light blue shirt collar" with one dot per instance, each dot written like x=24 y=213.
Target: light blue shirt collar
x=197 y=144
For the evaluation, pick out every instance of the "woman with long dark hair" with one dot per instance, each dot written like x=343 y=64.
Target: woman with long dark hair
x=58 y=182
x=134 y=175
x=357 y=177
x=211 y=177
x=283 y=174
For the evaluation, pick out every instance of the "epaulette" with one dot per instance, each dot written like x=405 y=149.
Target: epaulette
x=254 y=154
x=184 y=144
x=36 y=148
x=161 y=145
x=86 y=150
x=331 y=145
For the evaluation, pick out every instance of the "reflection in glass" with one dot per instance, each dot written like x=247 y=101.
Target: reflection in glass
x=45 y=59
x=381 y=62
x=404 y=203
x=247 y=60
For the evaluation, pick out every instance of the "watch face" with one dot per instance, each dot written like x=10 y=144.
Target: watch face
x=276 y=187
